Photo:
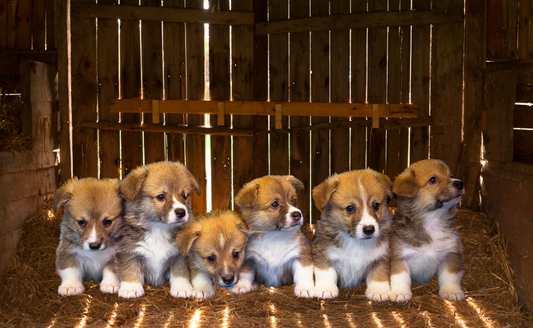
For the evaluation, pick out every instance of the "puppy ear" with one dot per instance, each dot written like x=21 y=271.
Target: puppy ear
x=297 y=184
x=243 y=227
x=186 y=238
x=388 y=186
x=405 y=184
x=131 y=185
x=194 y=184
x=322 y=193
x=248 y=195
x=63 y=194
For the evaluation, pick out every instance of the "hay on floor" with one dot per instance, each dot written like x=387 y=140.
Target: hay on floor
x=11 y=137
x=29 y=294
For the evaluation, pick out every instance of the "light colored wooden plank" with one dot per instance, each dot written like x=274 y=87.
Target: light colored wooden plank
x=381 y=18
x=180 y=15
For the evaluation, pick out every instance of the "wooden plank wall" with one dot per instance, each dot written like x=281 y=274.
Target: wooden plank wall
x=395 y=64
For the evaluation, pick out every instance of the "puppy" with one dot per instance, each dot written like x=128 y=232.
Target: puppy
x=424 y=239
x=89 y=234
x=277 y=252
x=158 y=202
x=351 y=243
x=214 y=247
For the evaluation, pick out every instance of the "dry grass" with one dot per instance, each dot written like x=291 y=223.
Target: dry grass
x=29 y=295
x=11 y=137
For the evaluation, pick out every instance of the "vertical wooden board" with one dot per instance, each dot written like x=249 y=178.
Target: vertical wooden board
x=260 y=91
x=405 y=92
x=3 y=24
x=496 y=28
x=446 y=86
x=108 y=89
x=174 y=46
x=242 y=89
x=219 y=86
x=195 y=88
x=510 y=30
x=84 y=95
x=299 y=91
x=358 y=146
x=377 y=85
x=340 y=89
x=279 y=61
x=23 y=41
x=50 y=25
x=420 y=85
x=320 y=82
x=130 y=70
x=11 y=23
x=154 y=143
x=524 y=17
x=38 y=24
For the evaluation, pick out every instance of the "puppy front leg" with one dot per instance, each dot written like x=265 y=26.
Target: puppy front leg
x=180 y=285
x=450 y=273
x=129 y=271
x=71 y=281
x=377 y=281
x=246 y=281
x=202 y=284
x=304 y=285
x=325 y=281
x=400 y=281
x=110 y=282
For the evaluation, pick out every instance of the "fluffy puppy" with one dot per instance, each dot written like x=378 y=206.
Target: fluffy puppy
x=424 y=239
x=158 y=202
x=214 y=248
x=351 y=243
x=89 y=234
x=277 y=252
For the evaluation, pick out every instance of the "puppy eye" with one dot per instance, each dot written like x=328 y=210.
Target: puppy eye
x=161 y=197
x=236 y=255
x=375 y=206
x=350 y=209
x=211 y=259
x=107 y=223
x=275 y=204
x=185 y=195
x=432 y=180
x=82 y=223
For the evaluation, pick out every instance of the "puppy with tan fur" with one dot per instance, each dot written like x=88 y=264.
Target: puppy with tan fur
x=425 y=241
x=158 y=204
x=351 y=244
x=277 y=252
x=214 y=248
x=89 y=234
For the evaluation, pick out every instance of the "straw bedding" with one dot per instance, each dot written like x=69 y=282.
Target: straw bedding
x=11 y=137
x=28 y=294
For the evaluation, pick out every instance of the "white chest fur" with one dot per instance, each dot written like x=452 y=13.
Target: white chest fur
x=273 y=252
x=352 y=260
x=92 y=263
x=157 y=247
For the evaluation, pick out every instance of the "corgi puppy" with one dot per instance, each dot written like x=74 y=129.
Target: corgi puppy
x=158 y=202
x=214 y=248
x=424 y=239
x=89 y=234
x=351 y=244
x=277 y=252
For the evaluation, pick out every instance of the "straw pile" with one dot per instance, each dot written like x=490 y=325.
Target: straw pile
x=29 y=294
x=11 y=137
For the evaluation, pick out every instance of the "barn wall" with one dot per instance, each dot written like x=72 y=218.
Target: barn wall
x=27 y=178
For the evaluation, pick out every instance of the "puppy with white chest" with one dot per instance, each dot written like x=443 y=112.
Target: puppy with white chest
x=351 y=244
x=158 y=203
x=277 y=252
x=89 y=234
x=214 y=247
x=424 y=240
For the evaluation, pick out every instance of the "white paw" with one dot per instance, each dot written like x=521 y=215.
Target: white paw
x=70 y=289
x=110 y=287
x=242 y=286
x=304 y=290
x=378 y=291
x=326 y=291
x=182 y=291
x=401 y=295
x=130 y=290
x=451 y=293
x=204 y=293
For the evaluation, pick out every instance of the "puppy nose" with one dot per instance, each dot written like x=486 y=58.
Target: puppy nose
x=228 y=280
x=180 y=212
x=95 y=246
x=458 y=184
x=296 y=215
x=368 y=230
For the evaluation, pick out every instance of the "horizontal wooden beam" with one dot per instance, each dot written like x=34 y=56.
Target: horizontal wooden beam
x=136 y=127
x=165 y=14
x=362 y=20
x=263 y=108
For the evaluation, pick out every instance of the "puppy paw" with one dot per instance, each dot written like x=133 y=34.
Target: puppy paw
x=401 y=295
x=130 y=290
x=70 y=289
x=304 y=290
x=243 y=286
x=204 y=293
x=451 y=293
x=378 y=291
x=110 y=287
x=326 y=291
x=182 y=291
